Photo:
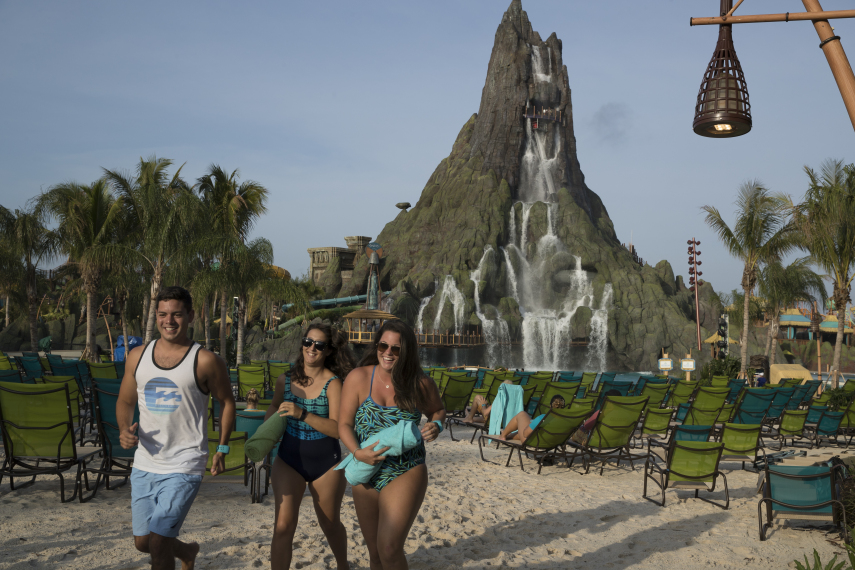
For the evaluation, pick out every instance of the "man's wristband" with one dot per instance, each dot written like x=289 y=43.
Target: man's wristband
x=439 y=425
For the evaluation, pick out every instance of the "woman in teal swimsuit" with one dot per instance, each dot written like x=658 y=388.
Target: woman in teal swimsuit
x=389 y=387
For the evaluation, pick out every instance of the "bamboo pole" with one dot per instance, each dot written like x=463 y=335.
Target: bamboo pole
x=811 y=15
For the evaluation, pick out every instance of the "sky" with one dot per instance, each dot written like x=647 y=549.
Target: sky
x=342 y=109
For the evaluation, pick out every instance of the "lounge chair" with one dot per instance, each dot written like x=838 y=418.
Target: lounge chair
x=547 y=438
x=250 y=377
x=781 y=401
x=236 y=460
x=681 y=393
x=753 y=405
x=79 y=410
x=116 y=461
x=10 y=376
x=680 y=433
x=455 y=398
x=104 y=370
x=689 y=465
x=741 y=442
x=277 y=369
x=847 y=424
x=38 y=435
x=248 y=422
x=566 y=390
x=612 y=432
x=655 y=425
x=792 y=427
x=655 y=394
x=31 y=367
x=736 y=387
x=801 y=492
x=827 y=428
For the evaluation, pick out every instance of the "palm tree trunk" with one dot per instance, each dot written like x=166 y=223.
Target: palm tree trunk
x=769 y=338
x=224 y=315
x=7 y=309
x=241 y=332
x=33 y=302
x=773 y=354
x=152 y=308
x=143 y=315
x=207 y=324
x=838 y=346
x=123 y=309
x=91 y=315
x=743 y=366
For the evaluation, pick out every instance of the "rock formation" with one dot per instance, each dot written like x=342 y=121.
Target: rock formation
x=507 y=236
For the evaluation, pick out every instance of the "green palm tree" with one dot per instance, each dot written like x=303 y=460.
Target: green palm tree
x=759 y=236
x=11 y=268
x=784 y=286
x=231 y=210
x=88 y=217
x=159 y=209
x=826 y=221
x=34 y=244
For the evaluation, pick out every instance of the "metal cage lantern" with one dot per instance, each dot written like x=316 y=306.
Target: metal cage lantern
x=722 y=109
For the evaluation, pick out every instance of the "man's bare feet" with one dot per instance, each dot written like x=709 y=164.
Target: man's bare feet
x=192 y=549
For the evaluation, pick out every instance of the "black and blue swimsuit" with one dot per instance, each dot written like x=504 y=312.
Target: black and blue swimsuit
x=371 y=418
x=306 y=450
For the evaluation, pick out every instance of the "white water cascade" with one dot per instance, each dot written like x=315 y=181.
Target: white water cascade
x=422 y=305
x=599 y=339
x=496 y=332
x=546 y=325
x=451 y=293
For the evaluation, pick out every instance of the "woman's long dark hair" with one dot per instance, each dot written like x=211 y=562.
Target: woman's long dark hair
x=407 y=373
x=340 y=359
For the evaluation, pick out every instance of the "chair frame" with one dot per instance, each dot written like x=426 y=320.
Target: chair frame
x=651 y=468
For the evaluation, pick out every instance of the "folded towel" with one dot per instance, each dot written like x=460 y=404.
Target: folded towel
x=265 y=437
x=507 y=404
x=399 y=438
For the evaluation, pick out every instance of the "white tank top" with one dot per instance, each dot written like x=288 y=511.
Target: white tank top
x=173 y=427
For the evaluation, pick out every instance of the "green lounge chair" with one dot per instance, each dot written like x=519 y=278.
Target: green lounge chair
x=800 y=396
x=250 y=377
x=741 y=442
x=655 y=425
x=566 y=390
x=690 y=465
x=612 y=433
x=547 y=438
x=105 y=370
x=588 y=379
x=116 y=461
x=38 y=435
x=78 y=409
x=236 y=460
x=697 y=416
x=583 y=405
x=719 y=381
x=709 y=397
x=801 y=492
x=455 y=398
x=681 y=393
x=680 y=433
x=6 y=364
x=849 y=386
x=792 y=426
x=821 y=400
x=847 y=424
x=655 y=394
x=277 y=369
x=789 y=382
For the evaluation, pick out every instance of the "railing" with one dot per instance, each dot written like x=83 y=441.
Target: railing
x=442 y=339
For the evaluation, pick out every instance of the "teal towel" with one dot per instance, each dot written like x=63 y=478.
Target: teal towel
x=399 y=438
x=508 y=403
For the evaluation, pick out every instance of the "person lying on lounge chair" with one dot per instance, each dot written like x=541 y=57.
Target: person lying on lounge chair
x=522 y=424
x=480 y=407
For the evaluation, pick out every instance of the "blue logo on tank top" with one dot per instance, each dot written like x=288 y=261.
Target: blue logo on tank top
x=162 y=396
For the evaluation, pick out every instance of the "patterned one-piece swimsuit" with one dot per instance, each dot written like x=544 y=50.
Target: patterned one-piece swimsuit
x=309 y=452
x=371 y=418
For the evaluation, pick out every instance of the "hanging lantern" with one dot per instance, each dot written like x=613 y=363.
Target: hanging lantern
x=722 y=109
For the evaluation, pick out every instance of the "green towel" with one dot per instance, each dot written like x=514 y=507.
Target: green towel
x=266 y=437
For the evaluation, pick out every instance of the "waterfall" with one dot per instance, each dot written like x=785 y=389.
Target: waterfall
x=451 y=293
x=547 y=318
x=423 y=304
x=600 y=332
x=496 y=332
x=387 y=304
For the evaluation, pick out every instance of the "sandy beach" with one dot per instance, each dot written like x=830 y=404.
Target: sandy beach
x=476 y=515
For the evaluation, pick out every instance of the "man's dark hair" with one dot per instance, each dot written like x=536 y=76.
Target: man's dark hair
x=174 y=294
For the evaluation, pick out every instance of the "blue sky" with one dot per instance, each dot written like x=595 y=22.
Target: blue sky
x=342 y=109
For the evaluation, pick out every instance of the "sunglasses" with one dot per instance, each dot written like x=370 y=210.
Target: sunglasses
x=319 y=344
x=383 y=347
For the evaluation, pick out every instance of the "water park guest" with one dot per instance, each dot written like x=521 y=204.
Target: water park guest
x=171 y=379
x=252 y=399
x=522 y=424
x=387 y=388
x=310 y=448
x=480 y=406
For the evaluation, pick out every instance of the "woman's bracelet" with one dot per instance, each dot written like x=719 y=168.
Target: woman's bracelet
x=439 y=425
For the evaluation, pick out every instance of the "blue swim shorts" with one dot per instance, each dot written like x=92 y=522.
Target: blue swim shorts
x=160 y=503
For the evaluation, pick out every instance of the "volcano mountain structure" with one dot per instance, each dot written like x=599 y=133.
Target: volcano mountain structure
x=506 y=236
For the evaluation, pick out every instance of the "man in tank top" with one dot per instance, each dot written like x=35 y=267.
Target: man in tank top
x=171 y=379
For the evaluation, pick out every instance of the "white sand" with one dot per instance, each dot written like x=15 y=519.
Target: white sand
x=476 y=515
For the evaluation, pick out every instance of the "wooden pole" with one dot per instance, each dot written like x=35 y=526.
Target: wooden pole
x=811 y=15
